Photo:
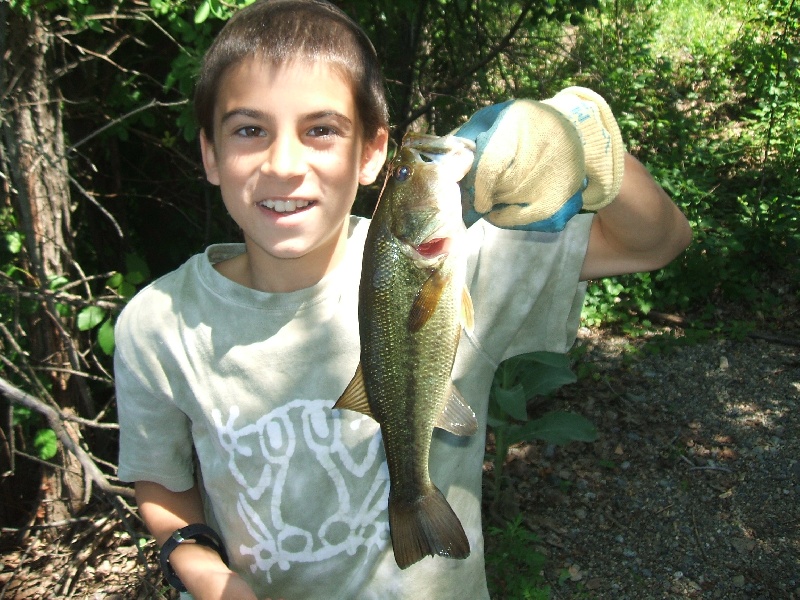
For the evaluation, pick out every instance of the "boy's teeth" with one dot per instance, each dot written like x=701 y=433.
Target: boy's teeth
x=285 y=205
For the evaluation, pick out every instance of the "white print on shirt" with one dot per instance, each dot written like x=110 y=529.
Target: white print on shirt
x=307 y=430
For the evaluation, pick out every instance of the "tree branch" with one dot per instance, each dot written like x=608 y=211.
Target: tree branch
x=470 y=70
x=55 y=419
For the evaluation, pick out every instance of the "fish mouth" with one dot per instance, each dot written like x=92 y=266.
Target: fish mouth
x=434 y=248
x=449 y=152
x=286 y=205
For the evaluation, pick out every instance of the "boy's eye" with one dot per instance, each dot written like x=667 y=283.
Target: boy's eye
x=322 y=131
x=250 y=131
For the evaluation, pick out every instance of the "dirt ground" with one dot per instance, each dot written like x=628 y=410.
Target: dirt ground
x=690 y=490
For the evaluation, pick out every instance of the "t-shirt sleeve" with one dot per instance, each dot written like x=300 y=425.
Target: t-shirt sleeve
x=155 y=434
x=526 y=288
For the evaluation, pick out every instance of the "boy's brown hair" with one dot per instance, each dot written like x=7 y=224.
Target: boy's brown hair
x=279 y=31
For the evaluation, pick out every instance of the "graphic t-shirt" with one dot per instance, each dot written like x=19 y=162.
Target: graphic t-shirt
x=234 y=388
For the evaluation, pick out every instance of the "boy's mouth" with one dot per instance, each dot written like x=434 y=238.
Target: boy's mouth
x=285 y=206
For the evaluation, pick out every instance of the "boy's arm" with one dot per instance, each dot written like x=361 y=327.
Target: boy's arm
x=641 y=230
x=198 y=567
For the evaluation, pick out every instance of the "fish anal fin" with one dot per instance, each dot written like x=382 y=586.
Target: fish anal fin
x=426 y=527
x=427 y=300
x=354 y=396
x=467 y=310
x=457 y=417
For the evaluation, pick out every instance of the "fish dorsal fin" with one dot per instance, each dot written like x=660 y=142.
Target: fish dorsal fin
x=467 y=311
x=354 y=396
x=457 y=417
x=427 y=300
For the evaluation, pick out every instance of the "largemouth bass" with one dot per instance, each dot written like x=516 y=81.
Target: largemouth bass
x=412 y=304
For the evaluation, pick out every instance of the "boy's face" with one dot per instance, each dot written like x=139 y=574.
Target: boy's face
x=288 y=156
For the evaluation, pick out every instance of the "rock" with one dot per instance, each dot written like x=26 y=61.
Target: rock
x=104 y=569
x=743 y=545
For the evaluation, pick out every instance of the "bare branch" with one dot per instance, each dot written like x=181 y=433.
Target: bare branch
x=9 y=286
x=90 y=197
x=30 y=377
x=55 y=419
x=469 y=70
x=149 y=105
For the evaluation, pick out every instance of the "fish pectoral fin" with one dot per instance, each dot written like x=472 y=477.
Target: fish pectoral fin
x=354 y=396
x=427 y=300
x=467 y=311
x=457 y=417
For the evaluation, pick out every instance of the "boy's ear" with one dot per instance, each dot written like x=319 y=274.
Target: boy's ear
x=373 y=157
x=209 y=159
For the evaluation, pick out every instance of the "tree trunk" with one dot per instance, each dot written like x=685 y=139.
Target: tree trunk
x=32 y=151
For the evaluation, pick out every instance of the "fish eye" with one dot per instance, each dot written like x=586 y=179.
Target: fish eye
x=402 y=172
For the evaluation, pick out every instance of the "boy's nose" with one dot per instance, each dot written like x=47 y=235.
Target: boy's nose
x=286 y=158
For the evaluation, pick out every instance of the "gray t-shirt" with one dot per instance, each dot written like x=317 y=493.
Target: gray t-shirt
x=234 y=387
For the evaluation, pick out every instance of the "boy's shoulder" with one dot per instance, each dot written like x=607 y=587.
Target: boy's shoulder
x=159 y=301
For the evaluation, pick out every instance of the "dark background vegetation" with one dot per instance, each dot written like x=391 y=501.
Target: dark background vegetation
x=101 y=188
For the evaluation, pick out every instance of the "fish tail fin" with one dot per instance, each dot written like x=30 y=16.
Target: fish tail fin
x=425 y=527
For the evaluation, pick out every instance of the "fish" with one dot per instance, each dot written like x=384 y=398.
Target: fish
x=412 y=305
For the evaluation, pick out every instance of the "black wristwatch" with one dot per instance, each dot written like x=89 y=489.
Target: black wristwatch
x=200 y=534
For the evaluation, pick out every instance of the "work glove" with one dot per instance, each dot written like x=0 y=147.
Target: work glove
x=539 y=163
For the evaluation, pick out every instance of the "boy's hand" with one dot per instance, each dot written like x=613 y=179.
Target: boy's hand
x=538 y=163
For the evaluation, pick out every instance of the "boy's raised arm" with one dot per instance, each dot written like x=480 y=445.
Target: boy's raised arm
x=641 y=230
x=199 y=567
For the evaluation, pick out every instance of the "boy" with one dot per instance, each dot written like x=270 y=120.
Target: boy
x=227 y=368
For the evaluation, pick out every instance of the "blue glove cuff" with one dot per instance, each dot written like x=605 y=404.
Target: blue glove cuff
x=552 y=224
x=482 y=122
x=559 y=219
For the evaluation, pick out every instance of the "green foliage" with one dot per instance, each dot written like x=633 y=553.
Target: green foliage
x=43 y=439
x=46 y=443
x=516 y=381
x=125 y=287
x=514 y=564
x=444 y=59
x=709 y=102
x=522 y=377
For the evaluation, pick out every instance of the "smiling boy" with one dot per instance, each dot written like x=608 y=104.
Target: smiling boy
x=288 y=152
x=227 y=368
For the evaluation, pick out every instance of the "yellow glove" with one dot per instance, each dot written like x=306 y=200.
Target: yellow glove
x=538 y=163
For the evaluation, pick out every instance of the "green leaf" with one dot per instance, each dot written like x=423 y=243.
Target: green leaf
x=115 y=281
x=90 y=317
x=138 y=271
x=46 y=443
x=202 y=12
x=58 y=281
x=22 y=415
x=542 y=373
x=126 y=290
x=105 y=337
x=513 y=402
x=555 y=428
x=14 y=242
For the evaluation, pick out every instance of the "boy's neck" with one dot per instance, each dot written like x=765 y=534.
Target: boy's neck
x=260 y=271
